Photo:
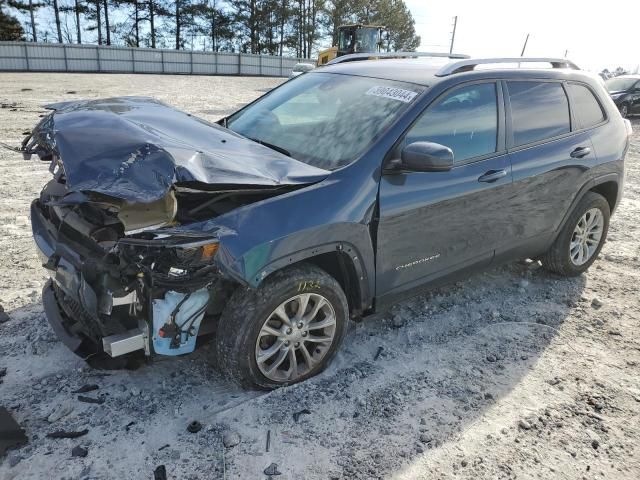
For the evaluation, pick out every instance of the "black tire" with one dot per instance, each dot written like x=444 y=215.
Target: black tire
x=558 y=259
x=624 y=110
x=248 y=309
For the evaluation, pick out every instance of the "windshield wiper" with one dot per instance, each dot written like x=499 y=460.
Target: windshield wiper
x=271 y=146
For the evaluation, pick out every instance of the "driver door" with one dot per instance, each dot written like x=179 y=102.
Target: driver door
x=432 y=224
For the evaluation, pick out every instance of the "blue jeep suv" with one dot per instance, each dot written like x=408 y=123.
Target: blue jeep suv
x=330 y=197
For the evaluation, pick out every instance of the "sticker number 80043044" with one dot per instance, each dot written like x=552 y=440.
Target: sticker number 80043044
x=393 y=93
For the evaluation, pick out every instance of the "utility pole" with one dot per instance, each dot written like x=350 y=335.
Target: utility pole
x=453 y=35
x=566 y=52
x=524 y=47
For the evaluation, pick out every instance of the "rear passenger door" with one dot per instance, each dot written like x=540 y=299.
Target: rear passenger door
x=549 y=152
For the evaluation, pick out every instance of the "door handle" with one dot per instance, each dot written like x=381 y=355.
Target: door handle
x=492 y=176
x=580 y=152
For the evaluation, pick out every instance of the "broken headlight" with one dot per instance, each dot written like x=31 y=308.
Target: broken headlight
x=169 y=254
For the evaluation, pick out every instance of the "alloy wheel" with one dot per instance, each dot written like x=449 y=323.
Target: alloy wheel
x=295 y=337
x=586 y=237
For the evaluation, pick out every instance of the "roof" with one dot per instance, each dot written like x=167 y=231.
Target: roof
x=421 y=71
x=424 y=70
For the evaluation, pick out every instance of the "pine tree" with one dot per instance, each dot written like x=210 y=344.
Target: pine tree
x=29 y=6
x=10 y=28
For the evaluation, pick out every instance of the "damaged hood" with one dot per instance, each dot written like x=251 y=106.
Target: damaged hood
x=136 y=148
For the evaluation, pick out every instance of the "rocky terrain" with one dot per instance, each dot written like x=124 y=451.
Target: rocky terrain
x=514 y=373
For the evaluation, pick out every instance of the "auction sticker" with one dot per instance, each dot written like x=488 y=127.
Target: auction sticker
x=400 y=94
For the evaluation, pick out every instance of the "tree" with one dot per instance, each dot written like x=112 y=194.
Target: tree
x=106 y=21
x=134 y=19
x=184 y=21
x=246 y=16
x=395 y=15
x=95 y=14
x=77 y=9
x=56 y=14
x=336 y=13
x=10 y=28
x=30 y=6
x=216 y=24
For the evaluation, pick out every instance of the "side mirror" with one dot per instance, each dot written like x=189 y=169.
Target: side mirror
x=426 y=157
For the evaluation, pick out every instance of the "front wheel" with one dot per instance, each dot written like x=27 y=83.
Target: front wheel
x=581 y=238
x=285 y=331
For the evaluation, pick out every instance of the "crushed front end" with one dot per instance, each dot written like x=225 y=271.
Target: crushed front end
x=118 y=294
x=120 y=226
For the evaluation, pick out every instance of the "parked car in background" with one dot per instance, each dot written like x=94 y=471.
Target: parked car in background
x=330 y=198
x=625 y=92
x=300 y=68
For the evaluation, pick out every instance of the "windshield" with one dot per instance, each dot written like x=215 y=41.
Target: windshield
x=323 y=119
x=363 y=40
x=620 y=84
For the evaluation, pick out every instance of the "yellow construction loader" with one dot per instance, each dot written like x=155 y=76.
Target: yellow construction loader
x=356 y=39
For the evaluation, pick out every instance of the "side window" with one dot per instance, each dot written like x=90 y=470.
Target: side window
x=539 y=110
x=587 y=108
x=465 y=120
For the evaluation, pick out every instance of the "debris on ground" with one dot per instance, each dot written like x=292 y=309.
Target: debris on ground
x=230 y=439
x=79 y=451
x=160 y=473
x=85 y=399
x=4 y=317
x=60 y=412
x=524 y=424
x=11 y=435
x=296 y=415
x=194 y=427
x=67 y=434
x=378 y=353
x=272 y=470
x=86 y=388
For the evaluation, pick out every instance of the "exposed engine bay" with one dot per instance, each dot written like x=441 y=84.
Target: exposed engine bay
x=130 y=176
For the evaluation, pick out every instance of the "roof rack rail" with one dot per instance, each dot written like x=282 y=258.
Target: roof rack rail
x=470 y=64
x=355 y=57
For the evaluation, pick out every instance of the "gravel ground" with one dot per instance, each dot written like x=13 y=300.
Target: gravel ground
x=514 y=373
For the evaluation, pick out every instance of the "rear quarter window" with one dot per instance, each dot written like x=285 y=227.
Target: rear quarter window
x=539 y=110
x=587 y=108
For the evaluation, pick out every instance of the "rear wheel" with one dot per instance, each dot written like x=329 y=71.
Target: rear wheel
x=285 y=331
x=582 y=237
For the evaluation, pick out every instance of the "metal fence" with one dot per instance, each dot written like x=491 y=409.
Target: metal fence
x=53 y=57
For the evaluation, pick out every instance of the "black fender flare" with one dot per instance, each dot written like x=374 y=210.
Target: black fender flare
x=347 y=251
x=593 y=182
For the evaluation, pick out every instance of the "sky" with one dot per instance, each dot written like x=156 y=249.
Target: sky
x=596 y=36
